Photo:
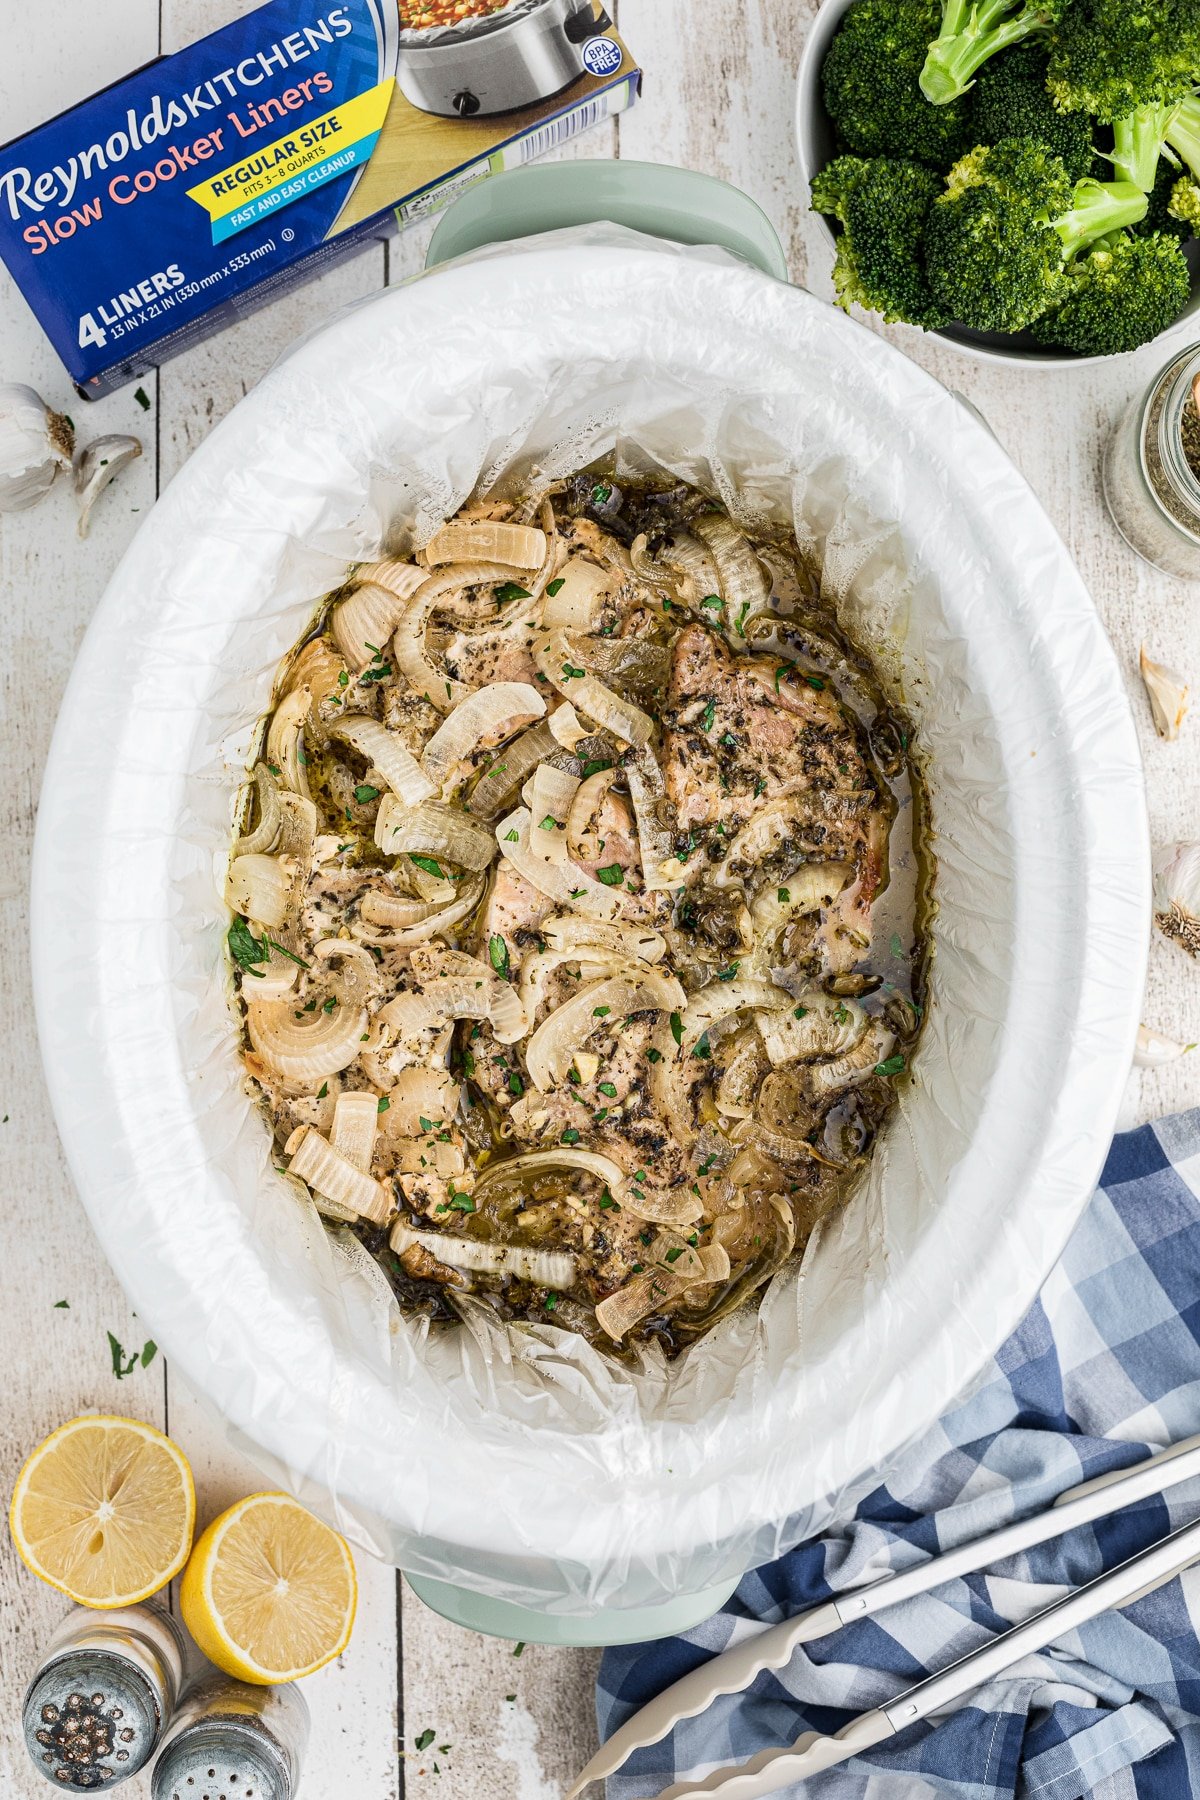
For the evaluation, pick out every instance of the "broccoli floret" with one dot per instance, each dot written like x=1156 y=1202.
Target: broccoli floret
x=870 y=85
x=998 y=239
x=974 y=30
x=1158 y=208
x=1138 y=140
x=1184 y=204
x=882 y=204
x=1118 y=295
x=1010 y=100
x=1109 y=57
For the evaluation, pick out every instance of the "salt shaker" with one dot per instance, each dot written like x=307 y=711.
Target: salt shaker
x=232 y=1741
x=103 y=1695
x=1152 y=470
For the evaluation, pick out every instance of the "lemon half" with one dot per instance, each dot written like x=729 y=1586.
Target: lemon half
x=270 y=1592
x=104 y=1510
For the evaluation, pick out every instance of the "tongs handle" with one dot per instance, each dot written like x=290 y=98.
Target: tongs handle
x=774 y=1769
x=736 y=1668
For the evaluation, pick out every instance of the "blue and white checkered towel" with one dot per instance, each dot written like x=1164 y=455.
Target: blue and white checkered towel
x=1104 y=1368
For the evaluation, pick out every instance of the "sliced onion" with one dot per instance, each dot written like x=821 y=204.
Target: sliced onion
x=271 y=979
x=354 y=973
x=297 y=828
x=807 y=890
x=550 y=801
x=355 y=1124
x=557 y=659
x=335 y=1176
x=693 y=568
x=566 y=727
x=536 y=969
x=503 y=779
x=826 y=1027
x=573 y=933
x=647 y=790
x=262 y=888
x=566 y=884
x=561 y=1156
x=319 y=668
x=873 y=1047
x=763 y=834
x=434 y=917
x=266 y=833
x=487 y=540
x=650 y=1292
x=555 y=1269
x=396 y=764
x=596 y=1007
x=433 y=830
x=467 y=989
x=409 y=643
x=308 y=1048
x=577 y=602
x=363 y=623
x=720 y=1000
x=741 y=1079
x=582 y=841
x=285 y=740
x=743 y=585
x=491 y=713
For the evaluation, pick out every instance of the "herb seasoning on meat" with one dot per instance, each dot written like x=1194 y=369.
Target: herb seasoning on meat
x=578 y=912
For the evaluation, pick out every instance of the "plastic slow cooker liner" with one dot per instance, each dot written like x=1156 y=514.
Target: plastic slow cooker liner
x=522 y=1462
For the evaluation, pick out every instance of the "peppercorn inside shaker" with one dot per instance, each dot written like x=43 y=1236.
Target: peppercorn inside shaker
x=1152 y=470
x=103 y=1696
x=232 y=1741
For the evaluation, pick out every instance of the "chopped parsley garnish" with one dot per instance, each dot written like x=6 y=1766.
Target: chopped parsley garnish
x=601 y=494
x=800 y=1012
x=384 y=1104
x=675 y=1254
x=713 y=602
x=284 y=951
x=892 y=1066
x=841 y=1014
x=728 y=740
x=677 y=1028
x=329 y=1005
x=571 y=673
x=897 y=946
x=462 y=1203
x=815 y=681
x=468 y=1063
x=782 y=670
x=728 y=974
x=551 y=1302
x=516 y=1085
x=498 y=951
x=607 y=1201
x=343 y=679
x=741 y=619
x=365 y=794
x=595 y=764
x=65 y=1303
x=377 y=672
x=142 y=398
x=430 y=864
x=703 y=1048
x=556 y=586
x=612 y=876
x=548 y=824
x=601 y=1012
x=654 y=1056
x=425 y=1124
x=570 y=1135
x=426 y=1738
x=511 y=590
x=783 y=895
x=709 y=714
x=706 y=1165
x=512 y=837
x=608 y=1090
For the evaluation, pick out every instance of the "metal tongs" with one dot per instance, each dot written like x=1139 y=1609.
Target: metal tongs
x=735 y=1669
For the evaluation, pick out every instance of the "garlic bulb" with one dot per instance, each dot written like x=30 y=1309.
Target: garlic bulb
x=1153 y=1050
x=35 y=444
x=96 y=465
x=1167 y=692
x=1177 y=895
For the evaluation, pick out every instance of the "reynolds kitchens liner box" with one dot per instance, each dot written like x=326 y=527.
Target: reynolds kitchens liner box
x=207 y=183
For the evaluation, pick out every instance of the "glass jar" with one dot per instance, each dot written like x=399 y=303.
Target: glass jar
x=103 y=1695
x=231 y=1741
x=1151 y=490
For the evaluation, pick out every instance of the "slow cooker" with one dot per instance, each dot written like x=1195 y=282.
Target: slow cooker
x=526 y=1482
x=498 y=62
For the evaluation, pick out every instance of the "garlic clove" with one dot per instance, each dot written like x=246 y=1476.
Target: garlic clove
x=1153 y=1050
x=1177 y=895
x=35 y=444
x=95 y=466
x=1167 y=692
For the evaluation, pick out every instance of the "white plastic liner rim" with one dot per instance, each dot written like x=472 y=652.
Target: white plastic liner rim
x=109 y=917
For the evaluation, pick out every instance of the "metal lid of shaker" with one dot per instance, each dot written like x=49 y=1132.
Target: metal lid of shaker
x=222 y=1760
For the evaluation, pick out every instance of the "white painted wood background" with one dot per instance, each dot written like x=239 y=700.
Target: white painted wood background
x=718 y=97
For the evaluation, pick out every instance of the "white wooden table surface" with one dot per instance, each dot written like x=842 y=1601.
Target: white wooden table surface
x=718 y=97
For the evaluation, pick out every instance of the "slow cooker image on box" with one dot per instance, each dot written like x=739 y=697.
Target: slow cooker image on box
x=526 y=1483
x=499 y=61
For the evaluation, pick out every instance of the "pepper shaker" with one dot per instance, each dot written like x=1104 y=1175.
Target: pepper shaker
x=232 y=1741
x=103 y=1695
